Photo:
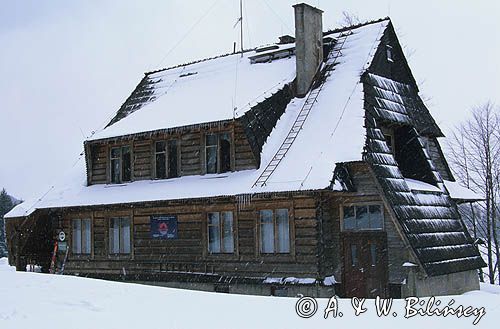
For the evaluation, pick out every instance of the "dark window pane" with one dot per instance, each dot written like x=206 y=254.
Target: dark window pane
x=86 y=236
x=125 y=235
x=211 y=140
x=354 y=255
x=376 y=218
x=283 y=228
x=227 y=232
x=214 y=232
x=160 y=146
x=349 y=219
x=161 y=170
x=389 y=53
x=362 y=220
x=266 y=231
x=225 y=153
x=126 y=164
x=114 y=235
x=172 y=159
x=115 y=171
x=211 y=160
x=115 y=152
x=76 y=236
x=373 y=254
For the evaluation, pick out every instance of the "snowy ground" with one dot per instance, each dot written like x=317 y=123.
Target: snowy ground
x=32 y=300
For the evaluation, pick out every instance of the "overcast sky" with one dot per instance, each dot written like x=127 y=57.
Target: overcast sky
x=67 y=66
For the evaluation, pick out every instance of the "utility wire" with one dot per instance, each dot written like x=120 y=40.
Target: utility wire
x=189 y=31
x=278 y=16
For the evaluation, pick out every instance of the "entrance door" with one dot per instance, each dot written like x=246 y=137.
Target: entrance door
x=365 y=264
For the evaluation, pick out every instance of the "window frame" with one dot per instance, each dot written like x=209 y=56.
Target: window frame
x=291 y=232
x=120 y=159
x=389 y=136
x=362 y=204
x=218 y=148
x=167 y=156
x=221 y=233
x=91 y=235
x=131 y=244
x=389 y=53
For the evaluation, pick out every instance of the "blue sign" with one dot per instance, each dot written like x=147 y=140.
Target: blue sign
x=164 y=227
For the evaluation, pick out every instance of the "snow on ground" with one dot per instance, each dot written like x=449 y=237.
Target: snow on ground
x=33 y=300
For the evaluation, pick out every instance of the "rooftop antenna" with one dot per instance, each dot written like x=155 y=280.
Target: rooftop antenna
x=241 y=26
x=240 y=20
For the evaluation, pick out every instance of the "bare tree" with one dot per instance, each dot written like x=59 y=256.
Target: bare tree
x=475 y=150
x=349 y=19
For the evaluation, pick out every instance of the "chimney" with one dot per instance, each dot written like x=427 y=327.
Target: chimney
x=308 y=45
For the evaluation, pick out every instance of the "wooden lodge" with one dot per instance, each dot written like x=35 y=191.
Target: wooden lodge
x=327 y=177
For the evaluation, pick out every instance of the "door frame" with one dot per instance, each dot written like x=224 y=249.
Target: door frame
x=365 y=235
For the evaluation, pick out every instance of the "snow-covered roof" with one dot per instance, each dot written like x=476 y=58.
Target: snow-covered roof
x=212 y=90
x=416 y=185
x=336 y=119
x=461 y=193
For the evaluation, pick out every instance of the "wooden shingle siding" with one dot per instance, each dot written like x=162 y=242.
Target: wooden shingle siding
x=243 y=155
x=412 y=209
x=436 y=154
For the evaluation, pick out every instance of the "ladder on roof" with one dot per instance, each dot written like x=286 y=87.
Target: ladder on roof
x=311 y=98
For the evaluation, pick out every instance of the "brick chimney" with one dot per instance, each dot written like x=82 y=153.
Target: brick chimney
x=308 y=45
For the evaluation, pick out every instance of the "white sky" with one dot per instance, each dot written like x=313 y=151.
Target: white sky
x=67 y=66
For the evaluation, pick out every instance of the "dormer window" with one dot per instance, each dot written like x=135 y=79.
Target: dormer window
x=120 y=160
x=389 y=53
x=389 y=138
x=217 y=153
x=166 y=159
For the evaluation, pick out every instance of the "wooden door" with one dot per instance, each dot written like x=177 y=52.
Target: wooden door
x=365 y=272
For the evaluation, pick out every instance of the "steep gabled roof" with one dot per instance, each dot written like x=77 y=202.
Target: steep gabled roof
x=342 y=126
x=428 y=216
x=336 y=119
x=216 y=89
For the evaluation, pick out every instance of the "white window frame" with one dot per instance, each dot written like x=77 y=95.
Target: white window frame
x=356 y=205
x=221 y=229
x=276 y=233
x=84 y=245
x=122 y=243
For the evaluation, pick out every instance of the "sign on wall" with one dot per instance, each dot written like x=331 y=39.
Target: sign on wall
x=164 y=226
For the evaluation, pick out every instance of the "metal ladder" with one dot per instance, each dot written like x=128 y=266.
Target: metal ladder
x=333 y=56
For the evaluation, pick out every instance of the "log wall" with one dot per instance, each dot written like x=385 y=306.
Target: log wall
x=189 y=253
x=191 y=154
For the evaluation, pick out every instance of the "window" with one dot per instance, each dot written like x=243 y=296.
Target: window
x=373 y=254
x=354 y=255
x=119 y=235
x=81 y=241
x=366 y=217
x=389 y=53
x=274 y=231
x=120 y=159
x=218 y=153
x=166 y=159
x=220 y=232
x=389 y=138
